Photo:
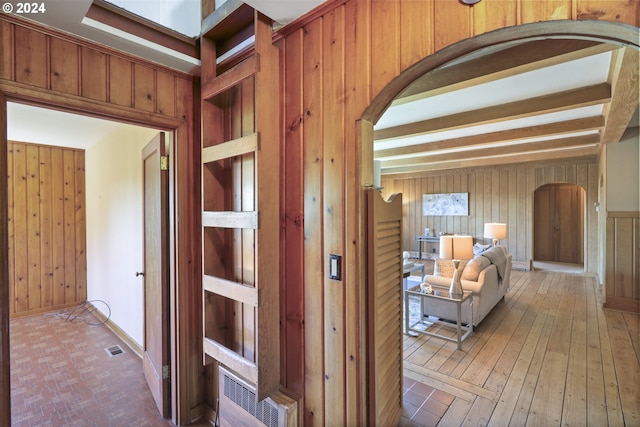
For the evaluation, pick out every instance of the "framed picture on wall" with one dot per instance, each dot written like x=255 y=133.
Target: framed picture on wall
x=445 y=204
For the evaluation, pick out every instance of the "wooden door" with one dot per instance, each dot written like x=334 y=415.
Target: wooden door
x=156 y=266
x=384 y=288
x=5 y=388
x=557 y=223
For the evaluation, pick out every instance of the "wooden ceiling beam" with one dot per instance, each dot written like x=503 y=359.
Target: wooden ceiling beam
x=413 y=171
x=521 y=58
x=624 y=97
x=514 y=149
x=576 y=98
x=558 y=128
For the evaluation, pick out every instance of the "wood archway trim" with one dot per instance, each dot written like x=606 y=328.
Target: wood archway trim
x=608 y=32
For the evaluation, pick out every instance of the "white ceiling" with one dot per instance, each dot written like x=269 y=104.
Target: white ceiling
x=26 y=123
x=514 y=113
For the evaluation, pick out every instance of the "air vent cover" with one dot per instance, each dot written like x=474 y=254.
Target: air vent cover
x=114 y=350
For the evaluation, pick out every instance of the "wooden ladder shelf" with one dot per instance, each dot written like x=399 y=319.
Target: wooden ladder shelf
x=240 y=216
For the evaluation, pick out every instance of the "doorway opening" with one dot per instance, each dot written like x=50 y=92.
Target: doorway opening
x=559 y=227
x=99 y=215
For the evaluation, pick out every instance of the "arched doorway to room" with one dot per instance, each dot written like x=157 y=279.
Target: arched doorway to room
x=558 y=227
x=461 y=150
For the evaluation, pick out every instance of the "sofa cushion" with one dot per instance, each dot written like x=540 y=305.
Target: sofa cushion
x=474 y=267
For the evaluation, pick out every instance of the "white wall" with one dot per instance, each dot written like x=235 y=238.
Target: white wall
x=623 y=176
x=114 y=199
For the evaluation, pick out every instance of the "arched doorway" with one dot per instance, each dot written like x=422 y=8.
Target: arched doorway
x=449 y=55
x=558 y=223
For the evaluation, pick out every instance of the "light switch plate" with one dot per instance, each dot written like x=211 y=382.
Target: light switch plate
x=335 y=267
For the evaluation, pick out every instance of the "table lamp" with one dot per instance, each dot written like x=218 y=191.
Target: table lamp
x=495 y=231
x=456 y=248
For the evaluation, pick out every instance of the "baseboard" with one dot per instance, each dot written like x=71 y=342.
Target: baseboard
x=623 y=304
x=130 y=342
x=526 y=265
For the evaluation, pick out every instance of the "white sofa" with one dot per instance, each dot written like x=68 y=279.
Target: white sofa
x=481 y=277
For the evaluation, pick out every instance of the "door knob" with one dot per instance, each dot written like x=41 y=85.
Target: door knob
x=139 y=273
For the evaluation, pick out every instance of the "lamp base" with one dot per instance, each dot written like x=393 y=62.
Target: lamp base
x=495 y=242
x=455 y=290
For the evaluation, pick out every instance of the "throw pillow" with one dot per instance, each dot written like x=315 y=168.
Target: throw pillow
x=474 y=267
x=478 y=248
x=444 y=267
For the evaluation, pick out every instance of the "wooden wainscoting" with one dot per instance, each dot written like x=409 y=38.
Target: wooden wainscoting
x=622 y=274
x=47 y=228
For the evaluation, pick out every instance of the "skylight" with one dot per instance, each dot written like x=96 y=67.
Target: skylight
x=182 y=16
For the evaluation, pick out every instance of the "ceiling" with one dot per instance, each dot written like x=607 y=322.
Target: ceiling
x=535 y=101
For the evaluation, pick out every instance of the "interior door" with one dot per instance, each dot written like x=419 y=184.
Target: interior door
x=5 y=389
x=557 y=223
x=156 y=267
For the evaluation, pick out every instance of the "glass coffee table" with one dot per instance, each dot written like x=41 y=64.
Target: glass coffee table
x=441 y=294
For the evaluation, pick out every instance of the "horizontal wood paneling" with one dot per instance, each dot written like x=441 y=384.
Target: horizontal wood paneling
x=325 y=96
x=47 y=243
x=501 y=194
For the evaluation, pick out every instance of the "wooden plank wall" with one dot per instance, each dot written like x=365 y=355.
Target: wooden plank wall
x=336 y=61
x=500 y=194
x=49 y=68
x=47 y=245
x=623 y=261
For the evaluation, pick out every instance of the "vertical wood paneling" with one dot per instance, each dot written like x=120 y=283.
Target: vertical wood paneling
x=534 y=11
x=46 y=252
x=166 y=94
x=30 y=57
x=10 y=225
x=57 y=208
x=144 y=88
x=622 y=271
x=333 y=211
x=357 y=75
x=615 y=11
x=452 y=23
x=19 y=219
x=68 y=165
x=7 y=53
x=292 y=270
x=80 y=224
x=94 y=74
x=33 y=228
x=415 y=32
x=120 y=82
x=64 y=66
x=385 y=45
x=314 y=265
x=491 y=15
x=47 y=218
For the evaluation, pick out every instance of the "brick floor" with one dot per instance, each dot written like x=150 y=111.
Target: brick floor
x=61 y=375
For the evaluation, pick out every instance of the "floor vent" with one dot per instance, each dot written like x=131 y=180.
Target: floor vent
x=239 y=405
x=114 y=350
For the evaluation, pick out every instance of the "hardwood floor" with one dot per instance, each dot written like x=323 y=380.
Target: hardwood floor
x=548 y=354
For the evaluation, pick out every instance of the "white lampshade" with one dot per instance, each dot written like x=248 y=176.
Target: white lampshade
x=495 y=231
x=456 y=247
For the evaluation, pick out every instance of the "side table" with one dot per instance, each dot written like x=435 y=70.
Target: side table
x=442 y=295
